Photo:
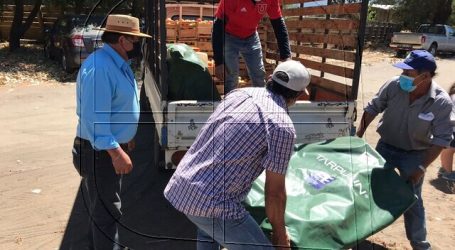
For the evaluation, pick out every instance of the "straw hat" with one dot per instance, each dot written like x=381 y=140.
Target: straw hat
x=124 y=24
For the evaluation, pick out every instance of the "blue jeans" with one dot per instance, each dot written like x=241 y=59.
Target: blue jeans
x=239 y=234
x=250 y=49
x=407 y=163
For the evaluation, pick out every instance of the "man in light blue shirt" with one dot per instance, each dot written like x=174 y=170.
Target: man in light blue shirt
x=108 y=111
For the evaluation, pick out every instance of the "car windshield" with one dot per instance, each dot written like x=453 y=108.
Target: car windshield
x=86 y=21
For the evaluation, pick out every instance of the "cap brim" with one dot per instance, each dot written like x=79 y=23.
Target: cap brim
x=402 y=65
x=127 y=33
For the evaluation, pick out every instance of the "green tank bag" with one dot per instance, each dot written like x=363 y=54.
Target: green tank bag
x=338 y=194
x=188 y=76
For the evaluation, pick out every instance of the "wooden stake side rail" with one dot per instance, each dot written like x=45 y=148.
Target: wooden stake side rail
x=320 y=66
x=298 y=1
x=336 y=9
x=325 y=38
x=320 y=23
x=339 y=40
x=342 y=55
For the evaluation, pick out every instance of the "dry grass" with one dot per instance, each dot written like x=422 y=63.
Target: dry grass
x=29 y=66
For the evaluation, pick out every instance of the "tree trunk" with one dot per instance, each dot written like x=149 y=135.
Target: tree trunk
x=18 y=28
x=14 y=37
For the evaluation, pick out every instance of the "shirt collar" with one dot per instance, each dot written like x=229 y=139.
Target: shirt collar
x=118 y=60
x=432 y=91
x=279 y=100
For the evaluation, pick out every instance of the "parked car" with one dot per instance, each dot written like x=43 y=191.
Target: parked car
x=433 y=38
x=72 y=38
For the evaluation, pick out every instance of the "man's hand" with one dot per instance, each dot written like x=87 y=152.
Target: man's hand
x=275 y=205
x=364 y=122
x=219 y=72
x=416 y=176
x=281 y=240
x=121 y=161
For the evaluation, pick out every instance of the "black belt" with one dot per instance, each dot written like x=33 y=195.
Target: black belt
x=86 y=143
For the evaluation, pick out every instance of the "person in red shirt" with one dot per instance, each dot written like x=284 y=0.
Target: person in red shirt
x=235 y=34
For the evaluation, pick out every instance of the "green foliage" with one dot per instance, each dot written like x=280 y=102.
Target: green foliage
x=102 y=6
x=412 y=13
x=385 y=2
x=452 y=17
x=371 y=14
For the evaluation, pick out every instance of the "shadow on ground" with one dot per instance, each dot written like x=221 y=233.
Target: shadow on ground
x=447 y=187
x=368 y=245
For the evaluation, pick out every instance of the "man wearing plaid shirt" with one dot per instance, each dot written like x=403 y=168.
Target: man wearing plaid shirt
x=249 y=132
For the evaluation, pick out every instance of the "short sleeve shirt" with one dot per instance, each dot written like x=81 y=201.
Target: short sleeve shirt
x=249 y=132
x=243 y=16
x=416 y=126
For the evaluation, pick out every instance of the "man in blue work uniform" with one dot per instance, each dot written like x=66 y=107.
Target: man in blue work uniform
x=108 y=111
x=415 y=127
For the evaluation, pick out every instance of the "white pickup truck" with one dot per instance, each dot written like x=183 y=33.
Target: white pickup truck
x=329 y=112
x=433 y=38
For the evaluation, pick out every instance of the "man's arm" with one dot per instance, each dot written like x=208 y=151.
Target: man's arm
x=218 y=47
x=282 y=37
x=218 y=41
x=367 y=118
x=377 y=105
x=275 y=205
x=120 y=160
x=430 y=155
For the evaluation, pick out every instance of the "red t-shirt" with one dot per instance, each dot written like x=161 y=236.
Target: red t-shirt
x=243 y=16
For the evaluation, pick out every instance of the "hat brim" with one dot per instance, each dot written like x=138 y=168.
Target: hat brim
x=139 y=34
x=402 y=65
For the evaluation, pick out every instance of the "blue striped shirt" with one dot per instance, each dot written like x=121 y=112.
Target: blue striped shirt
x=249 y=131
x=107 y=100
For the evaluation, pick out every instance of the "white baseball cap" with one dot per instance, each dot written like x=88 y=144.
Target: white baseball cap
x=298 y=75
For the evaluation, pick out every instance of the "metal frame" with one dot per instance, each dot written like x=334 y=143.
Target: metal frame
x=360 y=45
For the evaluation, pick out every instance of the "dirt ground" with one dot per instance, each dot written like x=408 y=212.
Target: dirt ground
x=39 y=184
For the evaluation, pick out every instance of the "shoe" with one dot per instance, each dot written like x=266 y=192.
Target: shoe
x=442 y=172
x=449 y=176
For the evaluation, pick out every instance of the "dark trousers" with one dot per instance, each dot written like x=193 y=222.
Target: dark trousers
x=100 y=187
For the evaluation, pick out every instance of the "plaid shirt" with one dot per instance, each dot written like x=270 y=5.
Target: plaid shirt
x=249 y=131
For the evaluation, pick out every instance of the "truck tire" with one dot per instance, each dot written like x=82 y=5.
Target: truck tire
x=400 y=53
x=66 y=65
x=433 y=49
x=48 y=50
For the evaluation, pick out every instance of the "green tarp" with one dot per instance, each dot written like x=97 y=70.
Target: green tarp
x=338 y=194
x=188 y=76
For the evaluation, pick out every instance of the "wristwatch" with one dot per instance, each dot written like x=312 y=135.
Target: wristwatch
x=422 y=168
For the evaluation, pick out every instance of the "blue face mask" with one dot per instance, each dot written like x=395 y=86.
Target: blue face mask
x=406 y=83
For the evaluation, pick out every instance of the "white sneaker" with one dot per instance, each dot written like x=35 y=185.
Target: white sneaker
x=449 y=176
x=441 y=172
